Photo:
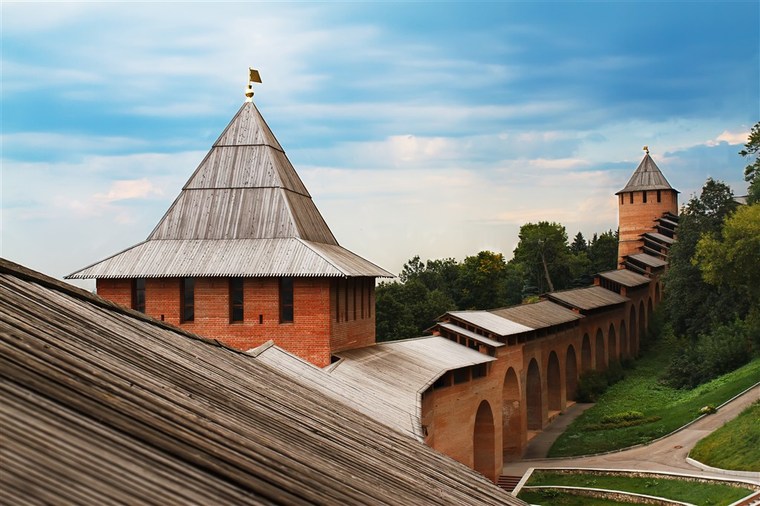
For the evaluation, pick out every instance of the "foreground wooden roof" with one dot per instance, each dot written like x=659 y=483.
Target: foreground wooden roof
x=243 y=212
x=102 y=405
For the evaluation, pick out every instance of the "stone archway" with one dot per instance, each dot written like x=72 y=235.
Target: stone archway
x=657 y=293
x=599 y=353
x=554 y=383
x=650 y=313
x=571 y=373
x=483 y=441
x=612 y=353
x=586 y=354
x=511 y=416
x=624 y=351
x=534 y=397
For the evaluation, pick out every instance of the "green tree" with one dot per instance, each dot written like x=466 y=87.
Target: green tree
x=482 y=281
x=544 y=254
x=730 y=263
x=752 y=171
x=603 y=252
x=692 y=305
x=579 y=244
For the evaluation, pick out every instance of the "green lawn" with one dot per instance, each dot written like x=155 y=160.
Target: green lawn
x=547 y=497
x=736 y=445
x=698 y=493
x=641 y=391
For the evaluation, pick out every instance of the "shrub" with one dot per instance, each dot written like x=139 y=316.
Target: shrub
x=591 y=385
x=724 y=349
x=625 y=416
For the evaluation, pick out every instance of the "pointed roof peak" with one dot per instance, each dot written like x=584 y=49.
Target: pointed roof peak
x=647 y=176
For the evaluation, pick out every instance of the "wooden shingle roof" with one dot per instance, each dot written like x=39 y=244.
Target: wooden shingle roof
x=243 y=201
x=538 y=315
x=647 y=176
x=102 y=405
x=592 y=297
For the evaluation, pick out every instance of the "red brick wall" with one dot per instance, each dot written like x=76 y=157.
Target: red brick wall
x=639 y=217
x=352 y=313
x=314 y=331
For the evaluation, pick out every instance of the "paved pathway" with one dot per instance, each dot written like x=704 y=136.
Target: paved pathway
x=668 y=454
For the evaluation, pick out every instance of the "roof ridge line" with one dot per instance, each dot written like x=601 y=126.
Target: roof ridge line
x=320 y=255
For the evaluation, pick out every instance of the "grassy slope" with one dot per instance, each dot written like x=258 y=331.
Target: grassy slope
x=736 y=445
x=685 y=491
x=641 y=391
x=560 y=499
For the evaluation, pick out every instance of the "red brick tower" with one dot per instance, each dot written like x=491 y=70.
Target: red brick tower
x=645 y=202
x=244 y=256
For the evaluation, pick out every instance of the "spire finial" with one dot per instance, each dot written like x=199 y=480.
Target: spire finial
x=253 y=77
x=645 y=148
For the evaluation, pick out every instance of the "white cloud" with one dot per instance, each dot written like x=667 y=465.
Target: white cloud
x=733 y=138
x=129 y=189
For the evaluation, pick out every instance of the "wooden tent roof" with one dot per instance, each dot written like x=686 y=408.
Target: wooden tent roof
x=103 y=405
x=647 y=176
x=244 y=195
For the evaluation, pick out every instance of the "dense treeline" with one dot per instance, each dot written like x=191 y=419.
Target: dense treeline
x=712 y=303
x=543 y=261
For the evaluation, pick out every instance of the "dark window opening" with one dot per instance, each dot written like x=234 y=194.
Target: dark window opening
x=442 y=382
x=622 y=200
x=345 y=300
x=286 y=300
x=138 y=294
x=187 y=299
x=479 y=371
x=362 y=283
x=631 y=194
x=659 y=195
x=644 y=196
x=353 y=296
x=236 y=299
x=461 y=375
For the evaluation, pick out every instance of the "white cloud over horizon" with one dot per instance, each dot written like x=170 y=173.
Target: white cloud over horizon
x=432 y=129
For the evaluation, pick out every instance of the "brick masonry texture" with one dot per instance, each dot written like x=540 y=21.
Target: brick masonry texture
x=329 y=315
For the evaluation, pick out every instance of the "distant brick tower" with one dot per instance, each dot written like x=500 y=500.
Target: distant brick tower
x=647 y=210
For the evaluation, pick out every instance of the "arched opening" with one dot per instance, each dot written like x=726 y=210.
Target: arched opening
x=533 y=397
x=612 y=345
x=571 y=373
x=632 y=335
x=586 y=353
x=657 y=293
x=642 y=327
x=554 y=383
x=650 y=314
x=624 y=352
x=510 y=402
x=483 y=440
x=600 y=355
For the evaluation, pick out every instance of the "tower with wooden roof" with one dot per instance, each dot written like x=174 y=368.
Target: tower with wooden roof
x=244 y=256
x=647 y=215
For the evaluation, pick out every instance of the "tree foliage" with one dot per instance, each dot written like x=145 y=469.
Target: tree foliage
x=544 y=254
x=692 y=305
x=429 y=288
x=752 y=171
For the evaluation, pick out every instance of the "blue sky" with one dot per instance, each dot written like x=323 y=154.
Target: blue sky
x=430 y=128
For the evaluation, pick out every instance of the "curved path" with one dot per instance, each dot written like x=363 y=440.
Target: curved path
x=665 y=455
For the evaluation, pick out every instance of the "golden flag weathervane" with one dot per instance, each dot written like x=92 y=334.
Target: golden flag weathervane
x=253 y=77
